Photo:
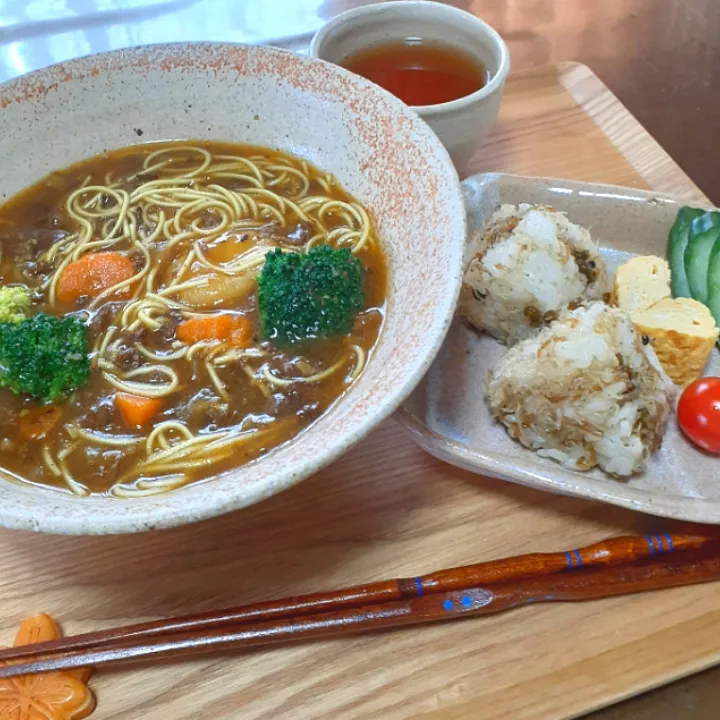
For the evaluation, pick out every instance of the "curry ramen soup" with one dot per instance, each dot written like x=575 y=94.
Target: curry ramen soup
x=157 y=249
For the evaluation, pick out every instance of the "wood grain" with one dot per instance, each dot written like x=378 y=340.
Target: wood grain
x=387 y=509
x=568 y=112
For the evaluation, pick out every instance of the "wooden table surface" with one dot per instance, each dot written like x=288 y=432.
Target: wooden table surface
x=662 y=59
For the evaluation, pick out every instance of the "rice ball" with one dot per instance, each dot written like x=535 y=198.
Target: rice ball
x=584 y=391
x=528 y=264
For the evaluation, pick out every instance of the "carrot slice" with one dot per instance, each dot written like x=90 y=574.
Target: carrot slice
x=224 y=328
x=137 y=411
x=36 y=422
x=242 y=333
x=92 y=275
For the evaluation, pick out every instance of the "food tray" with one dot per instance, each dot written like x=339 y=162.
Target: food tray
x=390 y=509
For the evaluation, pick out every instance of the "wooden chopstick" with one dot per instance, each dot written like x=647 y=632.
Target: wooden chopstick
x=672 y=570
x=608 y=553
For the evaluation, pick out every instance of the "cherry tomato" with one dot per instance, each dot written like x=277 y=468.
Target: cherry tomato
x=699 y=413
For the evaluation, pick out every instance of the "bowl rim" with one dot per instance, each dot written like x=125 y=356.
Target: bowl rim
x=496 y=81
x=215 y=504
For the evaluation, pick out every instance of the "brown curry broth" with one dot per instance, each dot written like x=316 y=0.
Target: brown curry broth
x=38 y=214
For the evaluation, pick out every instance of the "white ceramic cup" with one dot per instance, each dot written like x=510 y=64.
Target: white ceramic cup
x=461 y=124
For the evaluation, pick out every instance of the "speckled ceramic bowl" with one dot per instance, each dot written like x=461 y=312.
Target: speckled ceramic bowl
x=380 y=151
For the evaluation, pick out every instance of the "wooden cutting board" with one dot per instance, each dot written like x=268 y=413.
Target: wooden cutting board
x=387 y=509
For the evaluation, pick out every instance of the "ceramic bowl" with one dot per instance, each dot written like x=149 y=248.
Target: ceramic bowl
x=380 y=151
x=448 y=414
x=461 y=124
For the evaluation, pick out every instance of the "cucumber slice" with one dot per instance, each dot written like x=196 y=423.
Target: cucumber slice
x=713 y=302
x=687 y=214
x=677 y=243
x=702 y=223
x=697 y=252
x=697 y=261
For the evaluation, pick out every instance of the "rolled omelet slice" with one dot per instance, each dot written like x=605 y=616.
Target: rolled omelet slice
x=641 y=282
x=682 y=332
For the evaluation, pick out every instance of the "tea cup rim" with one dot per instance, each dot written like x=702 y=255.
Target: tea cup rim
x=495 y=82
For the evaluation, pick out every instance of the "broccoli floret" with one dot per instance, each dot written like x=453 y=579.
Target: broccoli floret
x=44 y=356
x=14 y=303
x=304 y=296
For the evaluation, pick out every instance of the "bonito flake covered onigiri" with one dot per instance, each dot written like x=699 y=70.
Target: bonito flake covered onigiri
x=584 y=391
x=528 y=264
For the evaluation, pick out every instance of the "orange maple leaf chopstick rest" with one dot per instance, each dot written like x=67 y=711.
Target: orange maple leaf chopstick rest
x=61 y=695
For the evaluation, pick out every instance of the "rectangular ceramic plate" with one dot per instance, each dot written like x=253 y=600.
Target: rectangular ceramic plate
x=448 y=414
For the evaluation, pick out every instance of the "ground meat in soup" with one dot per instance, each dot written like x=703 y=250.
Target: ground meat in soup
x=166 y=404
